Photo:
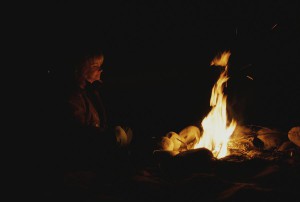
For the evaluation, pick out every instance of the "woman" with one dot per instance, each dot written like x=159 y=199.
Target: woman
x=89 y=138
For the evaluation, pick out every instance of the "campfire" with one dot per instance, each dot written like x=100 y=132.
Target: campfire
x=222 y=136
x=216 y=130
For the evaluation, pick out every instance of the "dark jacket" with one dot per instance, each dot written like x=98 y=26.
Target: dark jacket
x=86 y=107
x=87 y=136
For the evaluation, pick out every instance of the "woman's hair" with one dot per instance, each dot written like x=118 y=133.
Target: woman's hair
x=86 y=57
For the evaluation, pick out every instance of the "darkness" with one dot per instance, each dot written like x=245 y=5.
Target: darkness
x=157 y=74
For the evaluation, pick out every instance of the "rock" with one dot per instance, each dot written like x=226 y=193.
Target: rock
x=166 y=144
x=176 y=139
x=196 y=154
x=271 y=138
x=294 y=135
x=190 y=136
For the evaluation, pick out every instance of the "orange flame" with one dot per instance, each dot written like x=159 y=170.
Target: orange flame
x=216 y=131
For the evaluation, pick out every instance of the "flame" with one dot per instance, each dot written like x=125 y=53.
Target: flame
x=221 y=60
x=216 y=130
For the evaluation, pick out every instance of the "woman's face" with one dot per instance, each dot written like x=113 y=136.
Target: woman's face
x=94 y=70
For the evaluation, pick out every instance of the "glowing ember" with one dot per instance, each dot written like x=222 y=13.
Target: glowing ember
x=216 y=128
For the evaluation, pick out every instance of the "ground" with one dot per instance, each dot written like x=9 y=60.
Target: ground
x=152 y=179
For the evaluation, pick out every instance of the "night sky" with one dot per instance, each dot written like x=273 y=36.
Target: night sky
x=157 y=74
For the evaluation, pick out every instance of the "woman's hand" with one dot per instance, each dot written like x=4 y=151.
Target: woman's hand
x=123 y=136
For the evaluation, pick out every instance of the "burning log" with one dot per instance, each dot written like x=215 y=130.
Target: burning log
x=195 y=159
x=184 y=162
x=176 y=152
